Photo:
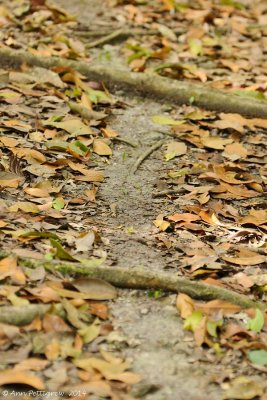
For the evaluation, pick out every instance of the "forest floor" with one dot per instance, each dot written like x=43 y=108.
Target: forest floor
x=213 y=229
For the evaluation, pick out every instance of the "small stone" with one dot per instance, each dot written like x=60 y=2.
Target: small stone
x=144 y=311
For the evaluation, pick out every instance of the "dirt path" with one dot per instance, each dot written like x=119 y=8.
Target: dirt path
x=158 y=346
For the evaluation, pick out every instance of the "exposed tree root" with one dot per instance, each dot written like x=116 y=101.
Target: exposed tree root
x=140 y=278
x=151 y=85
x=145 y=155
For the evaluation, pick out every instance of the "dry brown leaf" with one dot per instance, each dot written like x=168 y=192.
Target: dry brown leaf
x=91 y=194
x=52 y=350
x=9 y=141
x=109 y=133
x=95 y=289
x=99 y=310
x=36 y=192
x=11 y=376
x=255 y=217
x=215 y=142
x=32 y=364
x=176 y=149
x=91 y=176
x=201 y=331
x=235 y=151
x=101 y=148
x=228 y=176
x=8 y=267
x=25 y=206
x=215 y=306
x=185 y=217
x=251 y=260
x=184 y=305
x=53 y=323
x=29 y=153
x=239 y=191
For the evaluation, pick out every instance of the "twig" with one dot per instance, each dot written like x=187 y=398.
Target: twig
x=106 y=39
x=140 y=278
x=122 y=140
x=178 y=190
x=147 y=84
x=146 y=154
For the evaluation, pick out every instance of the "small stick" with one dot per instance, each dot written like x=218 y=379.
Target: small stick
x=145 y=155
x=178 y=190
x=122 y=140
x=103 y=40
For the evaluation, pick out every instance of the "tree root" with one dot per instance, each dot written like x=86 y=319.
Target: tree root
x=140 y=278
x=145 y=155
x=149 y=84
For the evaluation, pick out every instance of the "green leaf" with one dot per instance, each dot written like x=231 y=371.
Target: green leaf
x=59 y=145
x=36 y=234
x=257 y=323
x=163 y=120
x=192 y=322
x=78 y=147
x=97 y=96
x=61 y=253
x=58 y=203
x=90 y=333
x=258 y=357
x=195 y=46
x=179 y=173
x=212 y=327
x=170 y=156
x=250 y=94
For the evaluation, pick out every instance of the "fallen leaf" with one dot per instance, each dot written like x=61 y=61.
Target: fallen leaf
x=164 y=120
x=101 y=148
x=11 y=376
x=73 y=126
x=184 y=305
x=175 y=149
x=85 y=241
x=215 y=142
x=95 y=289
x=243 y=388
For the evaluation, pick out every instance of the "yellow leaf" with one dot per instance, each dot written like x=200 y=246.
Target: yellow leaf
x=10 y=376
x=25 y=206
x=185 y=305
